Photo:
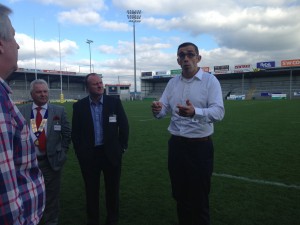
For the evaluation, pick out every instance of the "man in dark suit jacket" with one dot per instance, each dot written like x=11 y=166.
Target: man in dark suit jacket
x=100 y=135
x=52 y=157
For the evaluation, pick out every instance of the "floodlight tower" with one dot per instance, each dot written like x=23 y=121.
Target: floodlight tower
x=89 y=43
x=134 y=16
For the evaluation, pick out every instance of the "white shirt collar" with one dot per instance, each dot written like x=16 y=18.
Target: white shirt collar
x=34 y=106
x=198 y=75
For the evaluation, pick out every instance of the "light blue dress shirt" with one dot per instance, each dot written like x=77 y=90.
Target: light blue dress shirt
x=204 y=92
x=96 y=109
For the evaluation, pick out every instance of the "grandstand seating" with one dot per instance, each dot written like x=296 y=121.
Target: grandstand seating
x=54 y=94
x=251 y=87
x=155 y=94
x=251 y=84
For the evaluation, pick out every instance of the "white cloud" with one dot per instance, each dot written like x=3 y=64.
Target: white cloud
x=163 y=7
x=253 y=29
x=244 y=32
x=147 y=51
x=92 y=4
x=149 y=56
x=45 y=50
x=122 y=48
x=114 y=26
x=88 y=17
x=80 y=16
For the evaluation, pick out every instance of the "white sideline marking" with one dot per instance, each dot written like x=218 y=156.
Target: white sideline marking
x=166 y=117
x=146 y=120
x=257 y=181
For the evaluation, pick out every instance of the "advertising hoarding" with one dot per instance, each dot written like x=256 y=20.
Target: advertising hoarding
x=265 y=65
x=112 y=89
x=160 y=73
x=291 y=62
x=205 y=68
x=146 y=74
x=242 y=68
x=175 y=72
x=221 y=69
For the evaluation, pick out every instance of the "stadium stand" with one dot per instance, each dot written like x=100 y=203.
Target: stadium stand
x=72 y=84
x=254 y=85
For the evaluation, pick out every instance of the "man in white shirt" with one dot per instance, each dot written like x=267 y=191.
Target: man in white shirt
x=195 y=102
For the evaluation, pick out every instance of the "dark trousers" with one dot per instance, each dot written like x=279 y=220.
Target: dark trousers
x=190 y=166
x=52 y=183
x=91 y=168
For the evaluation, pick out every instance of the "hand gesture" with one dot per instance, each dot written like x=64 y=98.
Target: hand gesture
x=156 y=107
x=186 y=111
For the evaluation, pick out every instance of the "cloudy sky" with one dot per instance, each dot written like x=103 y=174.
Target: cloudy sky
x=227 y=32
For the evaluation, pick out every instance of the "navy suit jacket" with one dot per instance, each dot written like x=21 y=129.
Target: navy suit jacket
x=115 y=134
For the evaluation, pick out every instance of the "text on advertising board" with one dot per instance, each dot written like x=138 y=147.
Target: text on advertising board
x=292 y=62
x=225 y=67
x=264 y=65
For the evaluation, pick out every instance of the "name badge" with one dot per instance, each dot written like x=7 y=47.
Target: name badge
x=113 y=119
x=57 y=127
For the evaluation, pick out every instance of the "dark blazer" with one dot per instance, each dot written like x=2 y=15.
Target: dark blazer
x=115 y=134
x=57 y=141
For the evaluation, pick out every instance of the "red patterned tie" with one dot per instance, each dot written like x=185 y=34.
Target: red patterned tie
x=42 y=137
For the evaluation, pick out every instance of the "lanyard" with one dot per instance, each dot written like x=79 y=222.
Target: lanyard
x=36 y=131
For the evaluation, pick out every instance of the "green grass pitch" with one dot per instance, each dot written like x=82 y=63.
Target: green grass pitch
x=256 y=177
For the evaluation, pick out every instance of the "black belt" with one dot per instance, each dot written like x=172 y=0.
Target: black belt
x=41 y=157
x=185 y=139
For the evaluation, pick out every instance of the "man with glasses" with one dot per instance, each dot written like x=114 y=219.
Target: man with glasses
x=195 y=102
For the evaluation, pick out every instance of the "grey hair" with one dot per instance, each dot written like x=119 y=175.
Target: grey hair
x=38 y=81
x=5 y=24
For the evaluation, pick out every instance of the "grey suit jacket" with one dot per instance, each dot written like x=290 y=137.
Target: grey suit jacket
x=58 y=140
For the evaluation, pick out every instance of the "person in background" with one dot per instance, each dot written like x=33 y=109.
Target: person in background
x=100 y=136
x=22 y=188
x=51 y=133
x=195 y=102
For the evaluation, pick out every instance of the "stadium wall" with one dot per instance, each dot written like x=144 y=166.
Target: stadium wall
x=254 y=85
x=72 y=87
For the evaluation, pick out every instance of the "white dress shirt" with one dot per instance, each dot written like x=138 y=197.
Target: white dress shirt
x=43 y=111
x=204 y=92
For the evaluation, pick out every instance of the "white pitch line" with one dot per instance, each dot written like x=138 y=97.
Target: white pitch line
x=147 y=120
x=152 y=118
x=257 y=181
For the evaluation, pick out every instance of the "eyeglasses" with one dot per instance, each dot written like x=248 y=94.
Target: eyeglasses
x=182 y=56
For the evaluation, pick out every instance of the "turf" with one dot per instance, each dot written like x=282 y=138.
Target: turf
x=257 y=140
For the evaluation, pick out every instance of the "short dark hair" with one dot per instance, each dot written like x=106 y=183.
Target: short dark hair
x=187 y=44
x=87 y=77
